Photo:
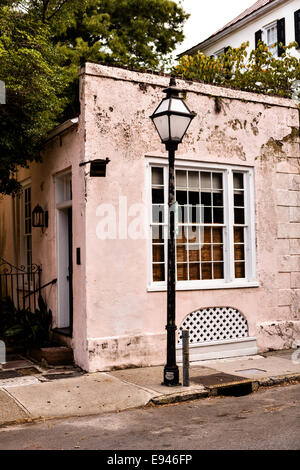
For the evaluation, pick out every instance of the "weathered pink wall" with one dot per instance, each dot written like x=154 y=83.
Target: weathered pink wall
x=117 y=321
x=125 y=322
x=60 y=154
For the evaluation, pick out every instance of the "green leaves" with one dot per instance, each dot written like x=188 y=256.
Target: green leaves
x=258 y=72
x=42 y=43
x=23 y=326
x=34 y=91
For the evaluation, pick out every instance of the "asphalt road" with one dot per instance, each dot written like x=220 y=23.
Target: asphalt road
x=266 y=420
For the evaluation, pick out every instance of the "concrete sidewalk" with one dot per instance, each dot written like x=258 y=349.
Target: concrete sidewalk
x=30 y=392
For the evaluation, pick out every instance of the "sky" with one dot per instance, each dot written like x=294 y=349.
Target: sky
x=207 y=17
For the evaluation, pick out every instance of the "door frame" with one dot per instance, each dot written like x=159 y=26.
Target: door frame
x=64 y=252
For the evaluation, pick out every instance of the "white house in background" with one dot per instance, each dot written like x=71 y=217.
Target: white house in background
x=272 y=21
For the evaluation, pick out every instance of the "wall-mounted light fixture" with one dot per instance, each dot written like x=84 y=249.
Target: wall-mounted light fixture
x=98 y=166
x=39 y=217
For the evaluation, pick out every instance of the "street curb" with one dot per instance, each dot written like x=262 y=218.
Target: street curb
x=214 y=391
x=179 y=397
x=223 y=389
x=279 y=380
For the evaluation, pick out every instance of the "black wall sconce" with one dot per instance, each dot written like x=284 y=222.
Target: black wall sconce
x=39 y=217
x=98 y=166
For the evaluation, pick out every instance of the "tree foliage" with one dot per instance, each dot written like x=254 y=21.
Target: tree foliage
x=42 y=42
x=34 y=82
x=138 y=33
x=258 y=72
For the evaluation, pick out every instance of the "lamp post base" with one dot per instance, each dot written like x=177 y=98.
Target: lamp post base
x=171 y=376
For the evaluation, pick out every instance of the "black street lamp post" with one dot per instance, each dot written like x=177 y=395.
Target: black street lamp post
x=171 y=118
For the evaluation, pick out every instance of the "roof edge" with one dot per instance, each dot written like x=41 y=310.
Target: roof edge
x=195 y=86
x=65 y=126
x=226 y=31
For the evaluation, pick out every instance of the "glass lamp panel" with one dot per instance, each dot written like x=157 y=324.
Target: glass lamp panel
x=178 y=105
x=178 y=126
x=162 y=125
x=164 y=106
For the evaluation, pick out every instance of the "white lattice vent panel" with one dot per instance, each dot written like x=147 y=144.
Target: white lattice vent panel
x=214 y=324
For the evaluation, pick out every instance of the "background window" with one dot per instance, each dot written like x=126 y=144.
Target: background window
x=26 y=245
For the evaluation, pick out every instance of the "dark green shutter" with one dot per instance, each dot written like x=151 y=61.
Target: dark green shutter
x=297 y=27
x=280 y=36
x=258 y=36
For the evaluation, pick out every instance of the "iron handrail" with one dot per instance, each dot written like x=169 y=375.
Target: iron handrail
x=40 y=288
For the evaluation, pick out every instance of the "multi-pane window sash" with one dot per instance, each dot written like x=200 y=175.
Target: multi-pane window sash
x=27 y=227
x=270 y=38
x=211 y=245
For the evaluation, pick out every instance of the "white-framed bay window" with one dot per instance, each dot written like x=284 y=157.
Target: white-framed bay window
x=215 y=228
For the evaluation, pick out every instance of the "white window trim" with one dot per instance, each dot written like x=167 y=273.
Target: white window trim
x=265 y=36
x=250 y=243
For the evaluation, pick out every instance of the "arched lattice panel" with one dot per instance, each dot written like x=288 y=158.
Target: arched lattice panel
x=214 y=324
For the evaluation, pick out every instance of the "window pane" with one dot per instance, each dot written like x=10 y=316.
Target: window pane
x=217 y=235
x=181 y=181
x=239 y=270
x=206 y=271
x=182 y=272
x=218 y=252
x=194 y=272
x=218 y=270
x=206 y=199
x=181 y=253
x=157 y=176
x=218 y=199
x=193 y=234
x=217 y=181
x=194 y=179
x=239 y=199
x=157 y=196
x=196 y=214
x=239 y=217
x=182 y=235
x=205 y=180
x=206 y=253
x=158 y=252
x=218 y=215
x=238 y=235
x=207 y=215
x=158 y=213
x=193 y=198
x=194 y=253
x=181 y=197
x=238 y=180
x=158 y=272
x=182 y=212
x=157 y=234
x=239 y=252
x=207 y=235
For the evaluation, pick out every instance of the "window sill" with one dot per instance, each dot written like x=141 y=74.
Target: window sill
x=205 y=286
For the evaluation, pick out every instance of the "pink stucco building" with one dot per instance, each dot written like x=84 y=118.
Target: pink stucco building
x=238 y=265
